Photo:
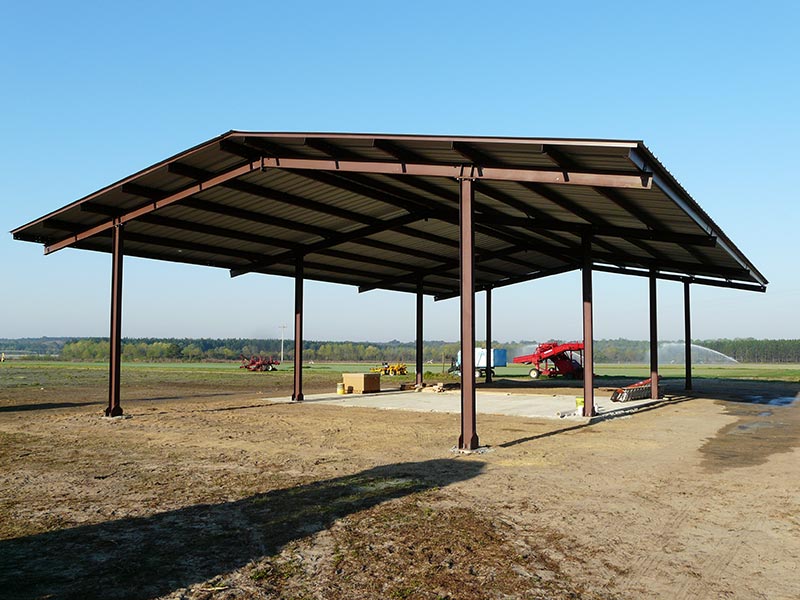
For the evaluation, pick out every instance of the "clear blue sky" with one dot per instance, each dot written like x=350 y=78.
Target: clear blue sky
x=92 y=92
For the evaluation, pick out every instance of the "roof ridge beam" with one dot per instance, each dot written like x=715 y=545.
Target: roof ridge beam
x=556 y=177
x=272 y=158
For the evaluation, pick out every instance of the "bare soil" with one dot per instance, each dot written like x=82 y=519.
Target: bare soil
x=204 y=493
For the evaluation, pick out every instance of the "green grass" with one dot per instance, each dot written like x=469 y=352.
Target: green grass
x=764 y=372
x=21 y=374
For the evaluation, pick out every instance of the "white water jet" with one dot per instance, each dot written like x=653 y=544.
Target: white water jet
x=675 y=353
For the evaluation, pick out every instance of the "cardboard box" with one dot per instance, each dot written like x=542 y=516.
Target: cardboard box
x=361 y=383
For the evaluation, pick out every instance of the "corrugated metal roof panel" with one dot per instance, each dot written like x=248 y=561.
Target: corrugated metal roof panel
x=214 y=205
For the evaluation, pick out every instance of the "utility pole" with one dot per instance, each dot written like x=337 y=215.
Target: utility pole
x=283 y=331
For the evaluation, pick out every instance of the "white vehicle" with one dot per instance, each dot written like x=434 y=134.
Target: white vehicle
x=499 y=359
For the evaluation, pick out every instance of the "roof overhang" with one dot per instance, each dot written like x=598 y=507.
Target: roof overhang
x=382 y=211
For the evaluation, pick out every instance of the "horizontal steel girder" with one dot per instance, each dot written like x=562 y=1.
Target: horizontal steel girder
x=613 y=180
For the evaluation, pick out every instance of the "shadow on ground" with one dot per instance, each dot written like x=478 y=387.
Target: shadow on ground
x=703 y=387
x=44 y=406
x=152 y=556
x=623 y=410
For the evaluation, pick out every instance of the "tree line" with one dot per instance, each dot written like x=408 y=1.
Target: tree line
x=756 y=351
x=226 y=349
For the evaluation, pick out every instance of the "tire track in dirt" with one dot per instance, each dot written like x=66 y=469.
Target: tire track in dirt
x=667 y=536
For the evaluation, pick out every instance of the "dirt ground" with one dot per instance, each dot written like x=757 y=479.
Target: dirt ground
x=206 y=495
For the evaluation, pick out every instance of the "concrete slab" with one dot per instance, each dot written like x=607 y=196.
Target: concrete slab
x=549 y=406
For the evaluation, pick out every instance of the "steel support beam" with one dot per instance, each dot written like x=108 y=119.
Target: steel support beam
x=588 y=329
x=297 y=394
x=687 y=333
x=469 y=435
x=419 y=361
x=749 y=287
x=653 y=337
x=488 y=335
x=114 y=408
x=613 y=180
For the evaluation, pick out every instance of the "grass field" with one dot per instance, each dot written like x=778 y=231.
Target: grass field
x=227 y=376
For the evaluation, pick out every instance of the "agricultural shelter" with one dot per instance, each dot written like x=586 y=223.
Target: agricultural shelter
x=439 y=215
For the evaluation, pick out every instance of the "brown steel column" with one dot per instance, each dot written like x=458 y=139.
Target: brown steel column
x=687 y=333
x=297 y=394
x=488 y=335
x=419 y=332
x=653 y=338
x=115 y=337
x=469 y=436
x=588 y=330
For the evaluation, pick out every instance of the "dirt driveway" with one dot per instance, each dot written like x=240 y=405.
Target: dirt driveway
x=199 y=495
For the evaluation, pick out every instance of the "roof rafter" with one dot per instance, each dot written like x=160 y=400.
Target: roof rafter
x=155 y=205
x=361 y=232
x=479 y=287
x=682 y=278
x=481 y=258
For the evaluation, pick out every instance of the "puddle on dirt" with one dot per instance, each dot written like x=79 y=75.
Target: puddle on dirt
x=779 y=401
x=757 y=434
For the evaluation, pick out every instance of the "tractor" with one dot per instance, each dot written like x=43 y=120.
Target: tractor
x=554 y=359
x=259 y=363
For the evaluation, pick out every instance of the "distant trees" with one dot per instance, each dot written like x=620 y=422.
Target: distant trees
x=86 y=349
x=757 y=351
x=156 y=349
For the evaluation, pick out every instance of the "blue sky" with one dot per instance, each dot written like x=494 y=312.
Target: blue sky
x=93 y=92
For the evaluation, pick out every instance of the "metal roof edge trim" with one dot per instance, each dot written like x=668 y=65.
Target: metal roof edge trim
x=125 y=180
x=615 y=143
x=678 y=194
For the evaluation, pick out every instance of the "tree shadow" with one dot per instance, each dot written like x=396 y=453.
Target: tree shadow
x=188 y=396
x=147 y=557
x=44 y=406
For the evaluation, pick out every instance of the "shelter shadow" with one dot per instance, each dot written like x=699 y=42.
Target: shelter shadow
x=147 y=557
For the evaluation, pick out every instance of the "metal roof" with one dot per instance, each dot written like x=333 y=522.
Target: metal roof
x=381 y=211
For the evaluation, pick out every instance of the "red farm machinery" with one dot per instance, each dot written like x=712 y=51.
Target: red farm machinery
x=554 y=359
x=259 y=363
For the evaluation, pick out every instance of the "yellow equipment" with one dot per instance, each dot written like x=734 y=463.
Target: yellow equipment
x=387 y=369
